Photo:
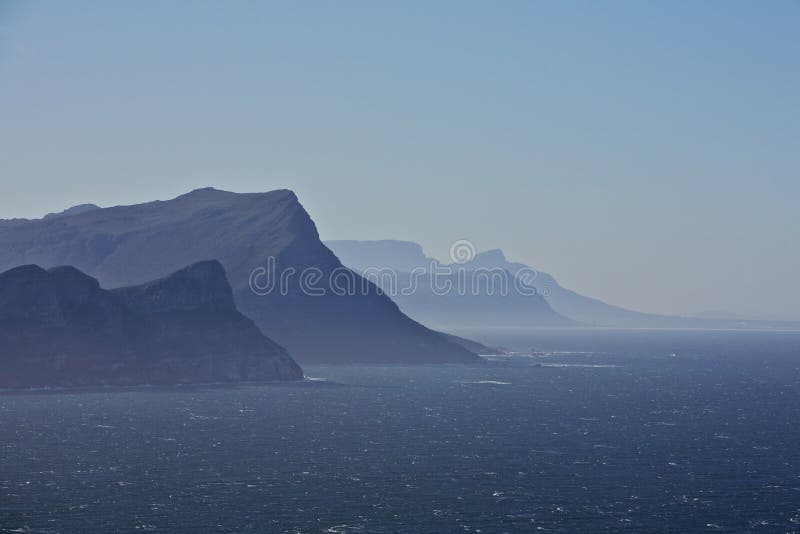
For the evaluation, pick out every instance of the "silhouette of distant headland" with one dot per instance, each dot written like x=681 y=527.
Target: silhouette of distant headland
x=59 y=328
x=128 y=245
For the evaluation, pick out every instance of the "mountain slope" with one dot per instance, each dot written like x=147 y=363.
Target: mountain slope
x=404 y=255
x=448 y=296
x=363 y=254
x=128 y=245
x=59 y=328
x=587 y=310
x=583 y=309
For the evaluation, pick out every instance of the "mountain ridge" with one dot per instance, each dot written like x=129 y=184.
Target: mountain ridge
x=488 y=299
x=130 y=245
x=58 y=327
x=587 y=311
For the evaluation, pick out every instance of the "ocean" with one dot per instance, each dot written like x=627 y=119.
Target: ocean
x=597 y=431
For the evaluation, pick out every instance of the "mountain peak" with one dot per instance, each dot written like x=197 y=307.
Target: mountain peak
x=22 y=272
x=67 y=274
x=74 y=210
x=214 y=193
x=59 y=328
x=492 y=255
x=205 y=192
x=202 y=270
x=404 y=256
x=202 y=285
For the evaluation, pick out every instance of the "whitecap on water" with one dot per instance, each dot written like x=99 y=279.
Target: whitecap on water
x=491 y=382
x=598 y=365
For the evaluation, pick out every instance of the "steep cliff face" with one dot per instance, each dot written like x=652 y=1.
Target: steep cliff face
x=128 y=245
x=59 y=328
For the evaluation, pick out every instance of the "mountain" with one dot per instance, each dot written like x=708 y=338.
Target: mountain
x=316 y=308
x=74 y=210
x=59 y=328
x=595 y=312
x=467 y=295
x=586 y=310
x=405 y=256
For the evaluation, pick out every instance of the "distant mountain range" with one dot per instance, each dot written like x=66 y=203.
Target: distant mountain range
x=129 y=245
x=447 y=298
x=59 y=328
x=559 y=307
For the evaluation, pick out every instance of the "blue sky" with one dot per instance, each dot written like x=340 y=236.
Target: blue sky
x=647 y=153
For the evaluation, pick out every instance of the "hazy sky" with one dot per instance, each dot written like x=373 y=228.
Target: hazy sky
x=647 y=153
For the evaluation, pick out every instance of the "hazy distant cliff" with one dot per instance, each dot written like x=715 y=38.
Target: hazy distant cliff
x=487 y=299
x=127 y=245
x=59 y=328
x=558 y=301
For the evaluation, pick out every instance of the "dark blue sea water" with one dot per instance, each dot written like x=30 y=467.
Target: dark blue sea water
x=603 y=431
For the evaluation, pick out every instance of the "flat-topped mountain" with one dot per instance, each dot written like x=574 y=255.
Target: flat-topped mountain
x=449 y=296
x=588 y=310
x=404 y=256
x=59 y=328
x=332 y=315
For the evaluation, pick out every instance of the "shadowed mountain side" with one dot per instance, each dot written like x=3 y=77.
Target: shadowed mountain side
x=128 y=245
x=59 y=328
x=365 y=327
